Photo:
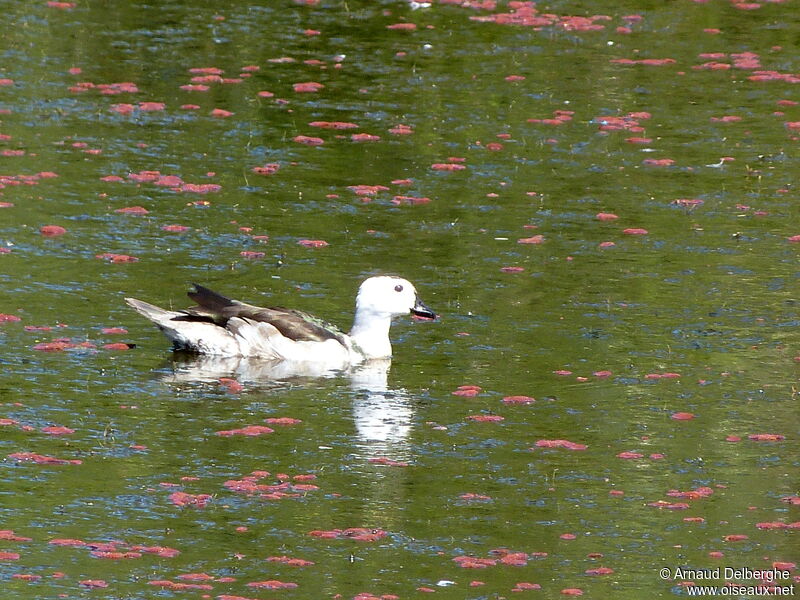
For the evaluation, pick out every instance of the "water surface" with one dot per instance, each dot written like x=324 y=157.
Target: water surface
x=681 y=299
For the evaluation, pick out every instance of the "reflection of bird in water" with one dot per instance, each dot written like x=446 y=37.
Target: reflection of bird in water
x=190 y=367
x=223 y=327
x=382 y=416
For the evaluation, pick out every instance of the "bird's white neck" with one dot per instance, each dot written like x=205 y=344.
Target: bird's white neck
x=370 y=333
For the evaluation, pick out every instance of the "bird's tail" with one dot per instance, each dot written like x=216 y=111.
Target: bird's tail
x=157 y=315
x=188 y=332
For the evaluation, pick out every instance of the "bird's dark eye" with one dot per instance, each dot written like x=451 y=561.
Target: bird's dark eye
x=398 y=288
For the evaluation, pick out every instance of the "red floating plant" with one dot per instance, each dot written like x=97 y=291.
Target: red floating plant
x=282 y=421
x=682 y=416
x=9 y=535
x=248 y=430
x=133 y=210
x=57 y=430
x=42 y=459
x=766 y=437
x=401 y=129
x=365 y=137
x=362 y=534
x=267 y=169
x=307 y=87
x=603 y=216
x=52 y=230
x=566 y=444
x=467 y=391
x=473 y=562
x=630 y=455
x=333 y=125
x=536 y=239
x=117 y=346
x=410 y=200
x=308 y=140
x=313 y=243
x=518 y=400
x=184 y=499
x=116 y=258
x=402 y=26
x=485 y=418
x=448 y=167
x=292 y=562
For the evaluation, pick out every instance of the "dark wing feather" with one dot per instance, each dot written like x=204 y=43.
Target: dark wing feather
x=210 y=299
x=294 y=324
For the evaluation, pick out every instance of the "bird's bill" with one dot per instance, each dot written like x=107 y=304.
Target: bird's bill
x=420 y=310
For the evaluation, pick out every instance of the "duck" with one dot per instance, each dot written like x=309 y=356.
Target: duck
x=221 y=326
